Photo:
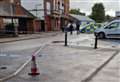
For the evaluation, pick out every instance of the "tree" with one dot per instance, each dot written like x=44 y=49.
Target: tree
x=98 y=12
x=108 y=18
x=76 y=11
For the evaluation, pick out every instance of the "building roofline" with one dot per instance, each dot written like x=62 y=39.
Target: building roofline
x=17 y=16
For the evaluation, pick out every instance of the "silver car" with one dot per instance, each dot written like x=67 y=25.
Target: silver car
x=111 y=30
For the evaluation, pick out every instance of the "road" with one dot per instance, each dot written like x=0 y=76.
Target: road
x=55 y=65
x=14 y=54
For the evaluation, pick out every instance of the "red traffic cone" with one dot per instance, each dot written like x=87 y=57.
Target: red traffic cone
x=34 y=70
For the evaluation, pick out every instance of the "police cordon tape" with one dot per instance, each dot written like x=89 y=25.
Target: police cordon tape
x=24 y=65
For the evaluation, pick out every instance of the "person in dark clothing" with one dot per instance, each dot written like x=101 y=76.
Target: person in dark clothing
x=71 y=28
x=78 y=28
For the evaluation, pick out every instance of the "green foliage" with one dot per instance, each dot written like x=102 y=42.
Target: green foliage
x=76 y=12
x=10 y=28
x=98 y=13
x=108 y=18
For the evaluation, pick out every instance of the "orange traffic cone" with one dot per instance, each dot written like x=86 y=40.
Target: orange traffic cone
x=34 y=70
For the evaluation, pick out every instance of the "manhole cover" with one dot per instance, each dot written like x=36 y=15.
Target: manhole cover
x=3 y=67
x=40 y=55
x=58 y=42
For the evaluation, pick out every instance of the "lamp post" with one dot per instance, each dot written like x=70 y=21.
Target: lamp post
x=65 y=29
x=12 y=20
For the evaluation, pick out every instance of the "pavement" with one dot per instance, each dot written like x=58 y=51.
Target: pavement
x=111 y=72
x=28 y=36
x=65 y=64
x=88 y=40
x=78 y=62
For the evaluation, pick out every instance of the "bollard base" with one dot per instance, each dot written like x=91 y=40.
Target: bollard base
x=65 y=45
x=95 y=48
x=33 y=74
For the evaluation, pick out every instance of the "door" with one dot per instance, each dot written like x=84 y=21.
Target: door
x=42 y=26
x=22 y=26
x=113 y=30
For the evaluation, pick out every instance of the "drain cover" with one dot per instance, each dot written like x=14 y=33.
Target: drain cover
x=3 y=67
x=40 y=55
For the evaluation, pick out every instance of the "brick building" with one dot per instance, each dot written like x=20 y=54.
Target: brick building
x=14 y=12
x=56 y=14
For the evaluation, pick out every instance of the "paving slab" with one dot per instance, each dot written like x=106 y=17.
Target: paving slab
x=110 y=73
x=88 y=40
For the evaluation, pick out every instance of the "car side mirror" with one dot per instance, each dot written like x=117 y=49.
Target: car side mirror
x=107 y=27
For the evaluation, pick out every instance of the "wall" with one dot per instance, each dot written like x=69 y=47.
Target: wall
x=47 y=14
x=1 y=24
x=59 y=9
x=37 y=25
x=67 y=3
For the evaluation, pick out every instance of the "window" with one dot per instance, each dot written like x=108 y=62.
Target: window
x=8 y=21
x=113 y=25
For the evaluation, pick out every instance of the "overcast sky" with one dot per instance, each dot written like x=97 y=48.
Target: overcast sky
x=85 y=5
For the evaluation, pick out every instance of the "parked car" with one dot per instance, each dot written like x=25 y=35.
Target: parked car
x=110 y=30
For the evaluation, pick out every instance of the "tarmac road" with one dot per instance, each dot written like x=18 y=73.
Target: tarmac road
x=53 y=67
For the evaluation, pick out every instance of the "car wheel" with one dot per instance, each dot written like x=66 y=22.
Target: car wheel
x=101 y=35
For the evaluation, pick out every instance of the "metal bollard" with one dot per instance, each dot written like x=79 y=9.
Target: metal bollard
x=66 y=38
x=96 y=41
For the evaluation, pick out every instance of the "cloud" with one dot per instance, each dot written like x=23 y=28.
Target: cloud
x=110 y=12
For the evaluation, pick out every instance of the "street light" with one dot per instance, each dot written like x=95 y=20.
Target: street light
x=12 y=11
x=61 y=10
x=12 y=14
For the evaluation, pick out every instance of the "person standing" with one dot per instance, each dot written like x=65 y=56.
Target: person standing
x=78 y=28
x=71 y=28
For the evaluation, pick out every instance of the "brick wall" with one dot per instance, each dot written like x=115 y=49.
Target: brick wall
x=66 y=5
x=1 y=23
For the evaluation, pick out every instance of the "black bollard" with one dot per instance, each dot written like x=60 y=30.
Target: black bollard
x=96 y=41
x=66 y=38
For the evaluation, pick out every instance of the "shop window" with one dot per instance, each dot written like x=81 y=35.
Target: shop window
x=8 y=21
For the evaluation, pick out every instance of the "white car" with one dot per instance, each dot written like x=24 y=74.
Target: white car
x=111 y=30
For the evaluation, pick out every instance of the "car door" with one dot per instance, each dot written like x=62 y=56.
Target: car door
x=113 y=29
